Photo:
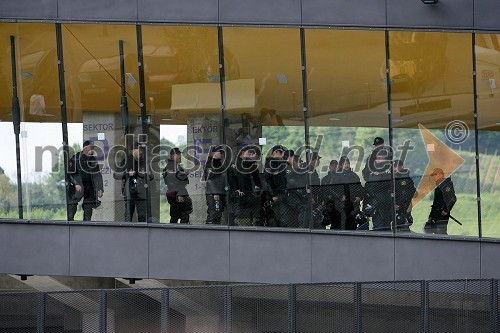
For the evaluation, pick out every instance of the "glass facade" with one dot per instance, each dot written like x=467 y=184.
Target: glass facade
x=197 y=124
x=487 y=51
x=183 y=99
x=433 y=104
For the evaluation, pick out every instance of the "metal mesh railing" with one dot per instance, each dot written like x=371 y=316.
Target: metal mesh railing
x=196 y=310
x=391 y=307
x=261 y=309
x=20 y=312
x=458 y=306
x=72 y=311
x=131 y=311
x=326 y=308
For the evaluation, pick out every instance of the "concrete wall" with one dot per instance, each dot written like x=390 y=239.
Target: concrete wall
x=461 y=14
x=238 y=254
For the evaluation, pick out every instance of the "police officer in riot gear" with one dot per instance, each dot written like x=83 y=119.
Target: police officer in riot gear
x=379 y=150
x=275 y=178
x=442 y=204
x=297 y=200
x=135 y=173
x=215 y=176
x=245 y=185
x=177 y=178
x=404 y=193
x=85 y=181
x=378 y=188
x=332 y=168
x=347 y=193
x=313 y=164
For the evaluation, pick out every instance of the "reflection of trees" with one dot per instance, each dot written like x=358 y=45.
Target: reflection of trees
x=9 y=194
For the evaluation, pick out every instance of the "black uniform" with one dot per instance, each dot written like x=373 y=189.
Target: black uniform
x=378 y=188
x=83 y=170
x=315 y=181
x=275 y=177
x=370 y=166
x=243 y=177
x=331 y=216
x=215 y=178
x=347 y=183
x=134 y=189
x=444 y=200
x=176 y=179
x=328 y=179
x=297 y=200
x=404 y=192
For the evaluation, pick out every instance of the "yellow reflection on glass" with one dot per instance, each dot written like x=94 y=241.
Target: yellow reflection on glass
x=431 y=78
x=346 y=78
x=432 y=87
x=40 y=128
x=263 y=87
x=184 y=100
x=8 y=166
x=93 y=95
x=181 y=72
x=487 y=50
x=38 y=81
x=92 y=68
x=6 y=30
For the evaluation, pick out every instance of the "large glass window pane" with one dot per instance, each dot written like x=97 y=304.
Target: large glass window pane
x=8 y=168
x=487 y=50
x=432 y=102
x=93 y=94
x=348 y=107
x=184 y=101
x=264 y=108
x=41 y=133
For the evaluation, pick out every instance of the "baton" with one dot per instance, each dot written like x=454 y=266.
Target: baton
x=454 y=219
x=449 y=215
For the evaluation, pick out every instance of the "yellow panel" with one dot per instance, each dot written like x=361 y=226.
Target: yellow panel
x=432 y=87
x=263 y=86
x=346 y=78
x=431 y=75
x=92 y=68
x=36 y=59
x=6 y=30
x=269 y=57
x=487 y=50
x=347 y=96
x=182 y=72
x=184 y=98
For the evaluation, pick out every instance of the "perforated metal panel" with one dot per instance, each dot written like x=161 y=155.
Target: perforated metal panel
x=325 y=308
x=18 y=312
x=260 y=309
x=391 y=307
x=459 y=306
x=495 y=316
x=196 y=310
x=72 y=312
x=131 y=311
